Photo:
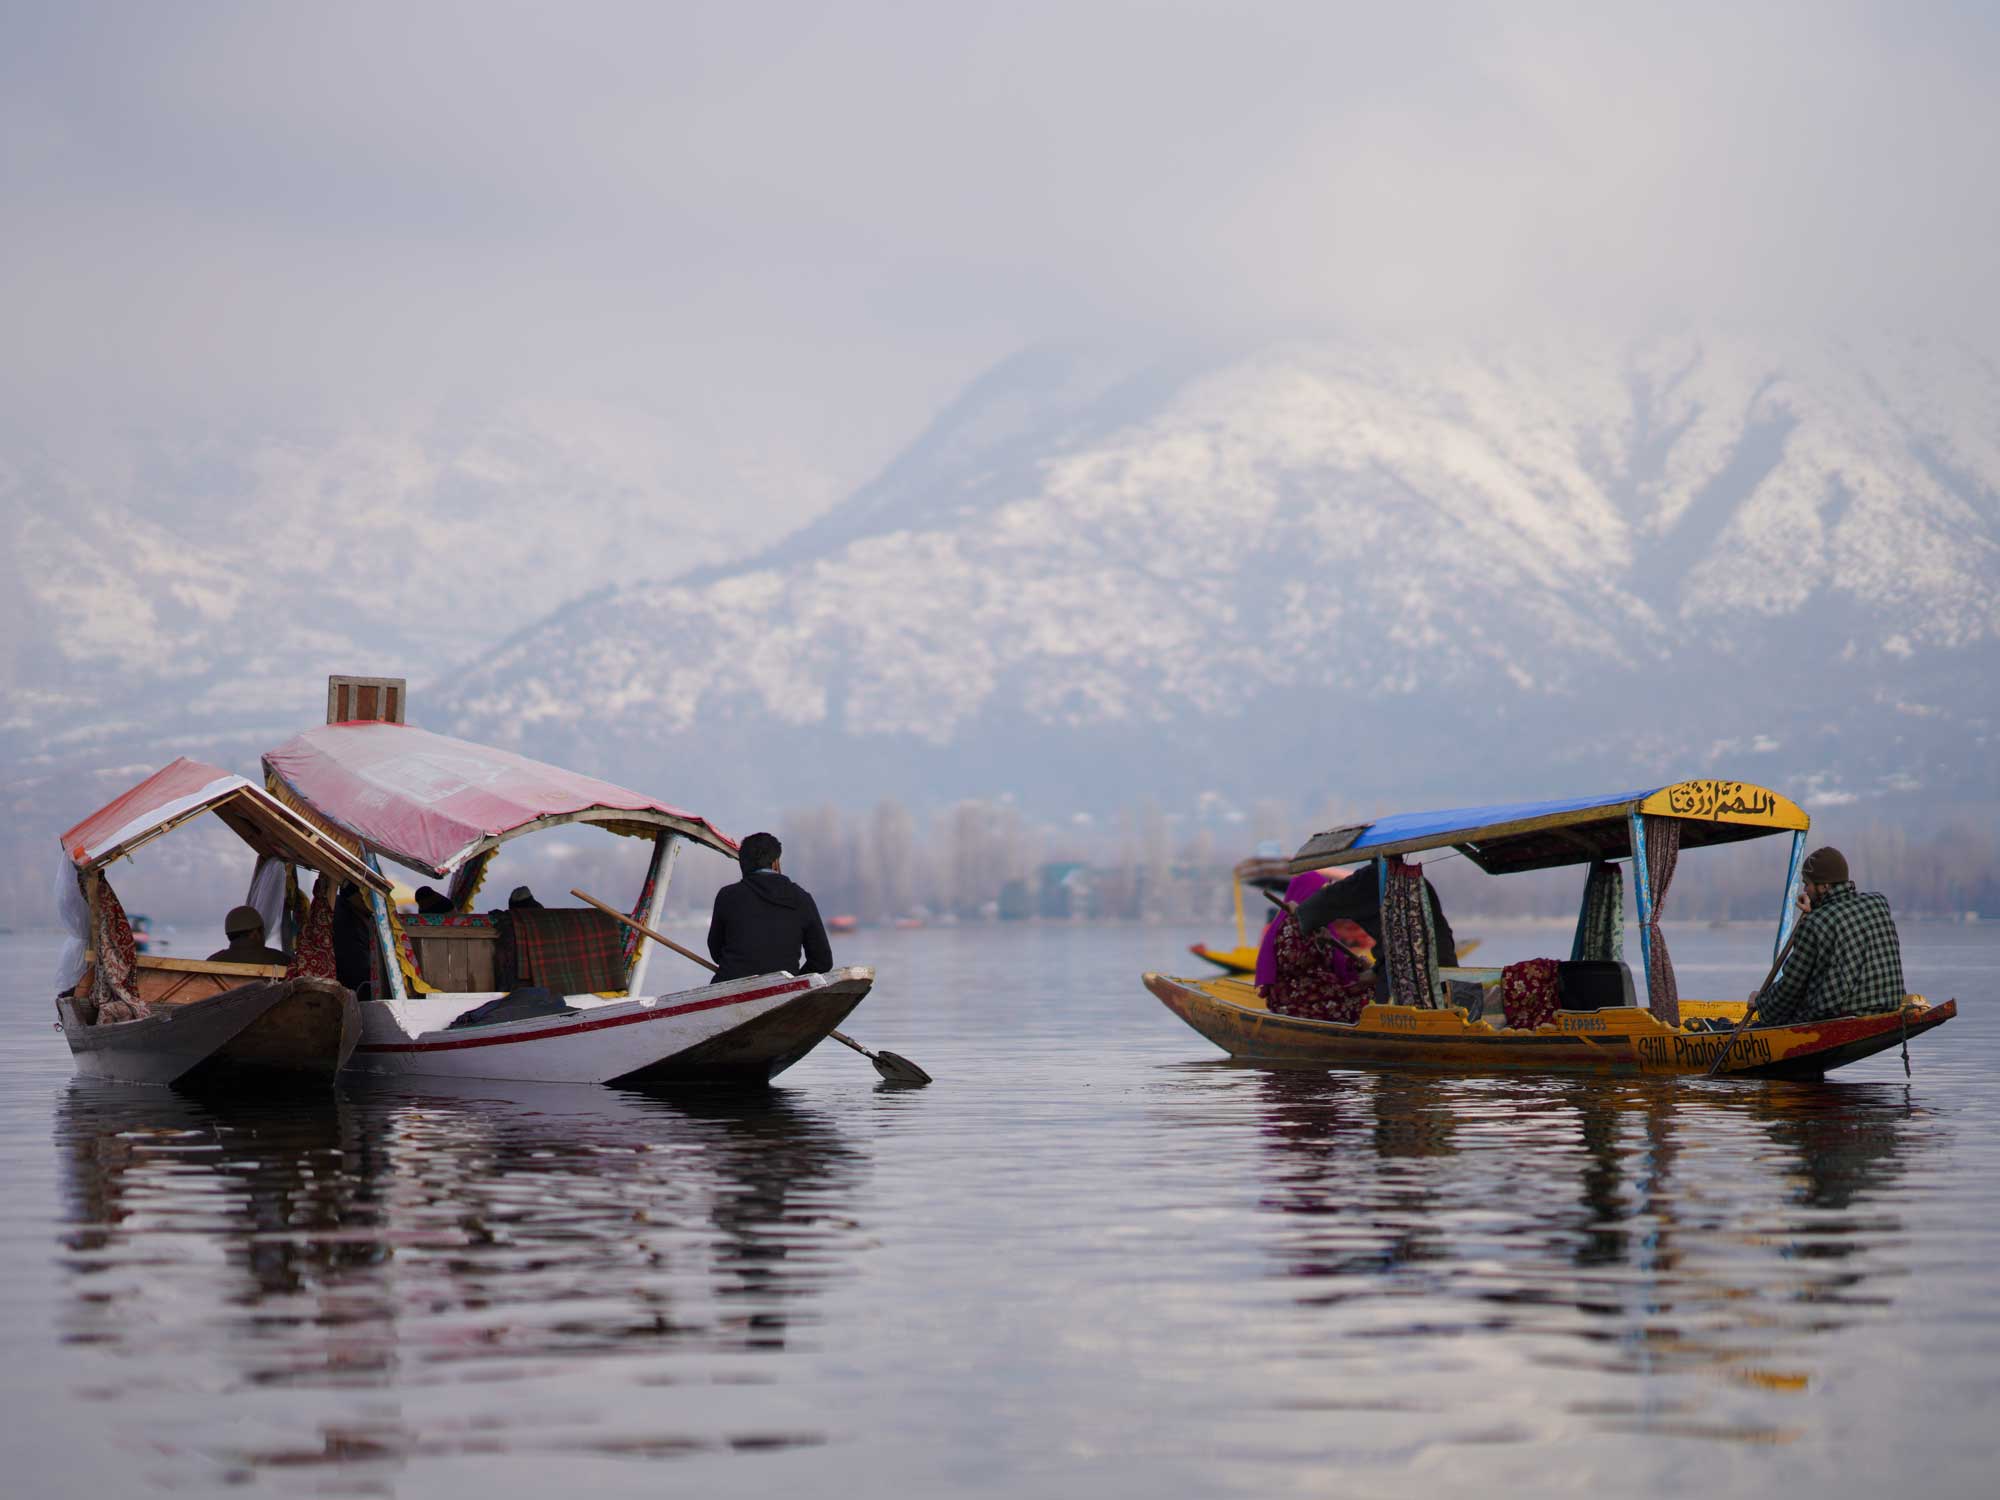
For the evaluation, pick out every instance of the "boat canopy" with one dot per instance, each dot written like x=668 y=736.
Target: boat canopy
x=188 y=788
x=433 y=803
x=1541 y=835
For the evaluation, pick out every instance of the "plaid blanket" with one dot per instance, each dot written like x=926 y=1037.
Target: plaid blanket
x=565 y=952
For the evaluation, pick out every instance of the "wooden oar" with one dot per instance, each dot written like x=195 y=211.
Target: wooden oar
x=1291 y=909
x=892 y=1066
x=1756 y=1000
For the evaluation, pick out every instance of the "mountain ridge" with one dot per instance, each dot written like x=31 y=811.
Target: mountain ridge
x=1203 y=542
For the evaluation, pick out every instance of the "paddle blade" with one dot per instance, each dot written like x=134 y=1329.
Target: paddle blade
x=899 y=1069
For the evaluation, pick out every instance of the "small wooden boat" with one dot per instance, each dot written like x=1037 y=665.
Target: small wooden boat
x=578 y=1005
x=1229 y=1012
x=141 y=1017
x=1668 y=1035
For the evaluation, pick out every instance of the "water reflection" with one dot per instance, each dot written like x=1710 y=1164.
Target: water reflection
x=394 y=1239
x=1630 y=1226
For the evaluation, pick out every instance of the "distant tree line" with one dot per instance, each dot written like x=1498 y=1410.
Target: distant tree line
x=986 y=860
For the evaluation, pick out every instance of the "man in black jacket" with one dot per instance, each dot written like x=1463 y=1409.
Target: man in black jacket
x=763 y=921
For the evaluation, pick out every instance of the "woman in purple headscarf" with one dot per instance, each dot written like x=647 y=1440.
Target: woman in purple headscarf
x=1312 y=977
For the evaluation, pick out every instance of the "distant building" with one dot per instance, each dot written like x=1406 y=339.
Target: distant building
x=1066 y=890
x=1015 y=905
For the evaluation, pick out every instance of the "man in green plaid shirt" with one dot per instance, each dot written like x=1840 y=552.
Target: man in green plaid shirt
x=1846 y=959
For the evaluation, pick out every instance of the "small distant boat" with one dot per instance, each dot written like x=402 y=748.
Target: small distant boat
x=135 y=1016
x=1586 y=1034
x=556 y=995
x=842 y=923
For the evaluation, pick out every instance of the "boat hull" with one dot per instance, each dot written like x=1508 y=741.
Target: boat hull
x=297 y=1033
x=1624 y=1040
x=745 y=1031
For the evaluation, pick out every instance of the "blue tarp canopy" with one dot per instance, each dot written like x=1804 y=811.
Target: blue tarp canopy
x=1539 y=835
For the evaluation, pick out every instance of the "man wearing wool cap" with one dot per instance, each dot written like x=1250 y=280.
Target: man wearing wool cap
x=1846 y=959
x=244 y=927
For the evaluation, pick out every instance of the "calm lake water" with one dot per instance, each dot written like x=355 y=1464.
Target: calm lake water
x=1092 y=1259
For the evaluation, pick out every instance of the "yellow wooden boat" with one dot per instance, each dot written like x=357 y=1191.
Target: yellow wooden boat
x=1665 y=1035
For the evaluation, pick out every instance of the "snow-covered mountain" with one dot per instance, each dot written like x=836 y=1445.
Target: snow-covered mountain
x=1335 y=569
x=168 y=587
x=1310 y=572
x=168 y=594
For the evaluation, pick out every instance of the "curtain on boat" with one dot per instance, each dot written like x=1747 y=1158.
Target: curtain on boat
x=312 y=956
x=267 y=895
x=1663 y=852
x=1408 y=935
x=631 y=942
x=470 y=877
x=73 y=910
x=1600 y=925
x=116 y=955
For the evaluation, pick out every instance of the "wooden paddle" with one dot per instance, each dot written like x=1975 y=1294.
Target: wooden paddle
x=892 y=1066
x=1755 y=1000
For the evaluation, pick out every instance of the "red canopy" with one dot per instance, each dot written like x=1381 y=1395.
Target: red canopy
x=187 y=788
x=432 y=803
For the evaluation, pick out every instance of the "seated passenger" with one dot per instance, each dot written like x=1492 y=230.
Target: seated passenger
x=1266 y=972
x=432 y=902
x=1309 y=975
x=353 y=940
x=1358 y=898
x=245 y=931
x=765 y=922
x=1846 y=958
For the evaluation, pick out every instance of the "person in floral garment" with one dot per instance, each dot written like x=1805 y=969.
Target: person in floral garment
x=1310 y=976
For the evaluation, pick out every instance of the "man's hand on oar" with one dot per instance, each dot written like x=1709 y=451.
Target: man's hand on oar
x=892 y=1066
x=1750 y=1012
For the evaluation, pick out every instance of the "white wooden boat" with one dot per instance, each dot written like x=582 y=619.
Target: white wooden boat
x=136 y=1017
x=442 y=807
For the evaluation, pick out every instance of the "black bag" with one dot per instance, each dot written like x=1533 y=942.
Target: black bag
x=1592 y=984
x=516 y=1005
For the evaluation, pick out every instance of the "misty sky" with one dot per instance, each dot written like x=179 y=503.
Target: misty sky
x=822 y=219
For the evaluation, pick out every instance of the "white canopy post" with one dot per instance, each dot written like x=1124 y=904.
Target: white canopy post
x=1788 y=914
x=385 y=939
x=666 y=851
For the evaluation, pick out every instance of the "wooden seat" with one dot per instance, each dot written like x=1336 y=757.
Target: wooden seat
x=160 y=980
x=459 y=959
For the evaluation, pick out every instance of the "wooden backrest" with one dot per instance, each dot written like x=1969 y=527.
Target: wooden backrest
x=160 y=980
x=459 y=960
